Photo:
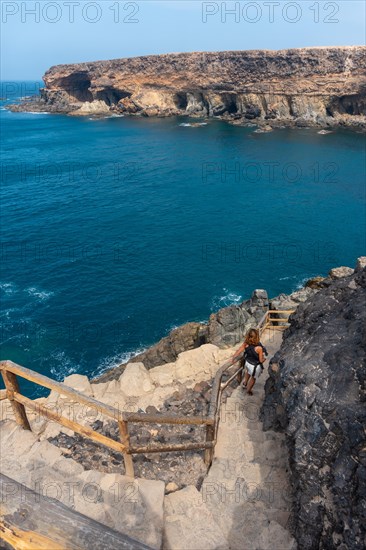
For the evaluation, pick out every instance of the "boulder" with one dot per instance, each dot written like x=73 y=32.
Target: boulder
x=316 y=283
x=164 y=375
x=228 y=326
x=127 y=105
x=196 y=365
x=339 y=272
x=135 y=380
x=360 y=264
x=171 y=488
x=79 y=383
x=291 y=301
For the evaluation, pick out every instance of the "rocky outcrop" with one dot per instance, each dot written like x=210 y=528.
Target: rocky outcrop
x=224 y=328
x=316 y=395
x=229 y=324
x=305 y=86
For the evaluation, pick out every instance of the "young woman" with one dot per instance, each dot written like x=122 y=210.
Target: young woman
x=252 y=359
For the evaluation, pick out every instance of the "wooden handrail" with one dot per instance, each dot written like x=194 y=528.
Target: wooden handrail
x=288 y=311
x=107 y=410
x=19 y=402
x=10 y=371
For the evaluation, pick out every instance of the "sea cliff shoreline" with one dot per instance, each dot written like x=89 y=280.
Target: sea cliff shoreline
x=224 y=328
x=307 y=87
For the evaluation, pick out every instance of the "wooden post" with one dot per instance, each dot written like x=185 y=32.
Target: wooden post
x=125 y=440
x=210 y=434
x=12 y=386
x=3 y=395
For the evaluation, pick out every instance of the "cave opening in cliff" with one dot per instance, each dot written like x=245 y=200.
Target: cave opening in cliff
x=77 y=85
x=111 y=96
x=230 y=103
x=181 y=101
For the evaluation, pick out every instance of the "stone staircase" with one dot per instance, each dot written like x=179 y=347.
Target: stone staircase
x=245 y=500
x=243 y=503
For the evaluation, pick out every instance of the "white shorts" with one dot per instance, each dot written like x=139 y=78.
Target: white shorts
x=250 y=369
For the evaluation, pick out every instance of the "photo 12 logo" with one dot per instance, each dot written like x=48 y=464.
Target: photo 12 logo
x=270 y=12
x=54 y=12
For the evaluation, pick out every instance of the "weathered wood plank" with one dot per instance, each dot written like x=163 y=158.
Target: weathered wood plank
x=125 y=438
x=170 y=448
x=78 y=428
x=209 y=451
x=289 y=311
x=164 y=419
x=12 y=386
x=61 y=388
x=31 y=521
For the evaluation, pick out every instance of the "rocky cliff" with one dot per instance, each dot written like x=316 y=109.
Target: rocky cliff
x=304 y=86
x=316 y=395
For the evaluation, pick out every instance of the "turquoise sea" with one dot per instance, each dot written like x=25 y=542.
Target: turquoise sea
x=115 y=230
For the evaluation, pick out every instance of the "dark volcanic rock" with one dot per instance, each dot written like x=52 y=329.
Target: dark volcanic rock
x=316 y=394
x=229 y=324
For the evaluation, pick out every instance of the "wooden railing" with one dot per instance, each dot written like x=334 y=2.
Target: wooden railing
x=19 y=402
x=269 y=320
x=10 y=371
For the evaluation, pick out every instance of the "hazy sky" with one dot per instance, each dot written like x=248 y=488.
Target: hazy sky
x=37 y=35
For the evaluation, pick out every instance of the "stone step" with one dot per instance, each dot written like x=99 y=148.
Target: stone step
x=189 y=524
x=260 y=436
x=225 y=486
x=247 y=521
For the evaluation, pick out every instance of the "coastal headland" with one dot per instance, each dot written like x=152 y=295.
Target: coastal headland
x=320 y=87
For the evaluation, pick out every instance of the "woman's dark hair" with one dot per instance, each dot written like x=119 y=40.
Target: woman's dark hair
x=252 y=337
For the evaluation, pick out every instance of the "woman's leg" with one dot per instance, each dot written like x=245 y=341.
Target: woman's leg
x=246 y=378
x=250 y=385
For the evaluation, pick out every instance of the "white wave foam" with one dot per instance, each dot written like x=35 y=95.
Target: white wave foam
x=64 y=365
x=8 y=288
x=42 y=295
x=301 y=282
x=113 y=361
x=227 y=299
x=193 y=124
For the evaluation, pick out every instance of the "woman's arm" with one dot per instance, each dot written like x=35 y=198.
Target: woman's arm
x=236 y=355
x=261 y=357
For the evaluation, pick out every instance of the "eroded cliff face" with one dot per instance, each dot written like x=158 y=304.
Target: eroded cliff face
x=319 y=85
x=316 y=395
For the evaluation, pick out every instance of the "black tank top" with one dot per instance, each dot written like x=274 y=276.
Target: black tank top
x=251 y=355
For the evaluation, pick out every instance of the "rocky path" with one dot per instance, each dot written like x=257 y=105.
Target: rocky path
x=245 y=500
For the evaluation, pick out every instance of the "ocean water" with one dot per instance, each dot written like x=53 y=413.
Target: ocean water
x=115 y=230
